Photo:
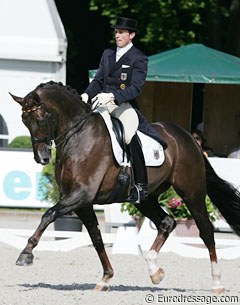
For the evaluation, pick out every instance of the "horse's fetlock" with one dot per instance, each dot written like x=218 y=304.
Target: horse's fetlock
x=109 y=273
x=32 y=241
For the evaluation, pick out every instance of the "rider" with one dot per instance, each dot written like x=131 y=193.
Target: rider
x=119 y=80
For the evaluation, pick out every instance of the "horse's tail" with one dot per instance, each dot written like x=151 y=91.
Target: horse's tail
x=224 y=196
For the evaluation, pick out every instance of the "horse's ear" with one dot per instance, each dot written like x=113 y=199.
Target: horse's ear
x=17 y=99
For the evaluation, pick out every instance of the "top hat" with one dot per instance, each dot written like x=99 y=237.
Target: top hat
x=125 y=24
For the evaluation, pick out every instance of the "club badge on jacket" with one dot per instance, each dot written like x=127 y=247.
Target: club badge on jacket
x=123 y=77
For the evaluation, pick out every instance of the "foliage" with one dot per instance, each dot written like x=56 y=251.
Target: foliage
x=49 y=187
x=21 y=142
x=131 y=209
x=167 y=24
x=175 y=206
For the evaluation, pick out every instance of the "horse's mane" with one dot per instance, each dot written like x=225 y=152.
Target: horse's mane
x=59 y=84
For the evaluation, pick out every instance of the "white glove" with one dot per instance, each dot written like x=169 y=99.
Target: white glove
x=84 y=97
x=102 y=99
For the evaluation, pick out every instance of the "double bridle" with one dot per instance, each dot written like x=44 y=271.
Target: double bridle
x=49 y=124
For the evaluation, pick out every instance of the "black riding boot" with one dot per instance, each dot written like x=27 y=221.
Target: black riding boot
x=140 y=190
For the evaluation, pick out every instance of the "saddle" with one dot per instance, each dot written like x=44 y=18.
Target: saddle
x=151 y=148
x=131 y=187
x=119 y=132
x=144 y=127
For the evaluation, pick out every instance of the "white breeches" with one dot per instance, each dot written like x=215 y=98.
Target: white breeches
x=128 y=116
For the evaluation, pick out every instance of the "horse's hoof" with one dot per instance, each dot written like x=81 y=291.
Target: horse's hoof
x=25 y=259
x=157 y=276
x=102 y=286
x=218 y=290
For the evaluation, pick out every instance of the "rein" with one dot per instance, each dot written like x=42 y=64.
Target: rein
x=49 y=122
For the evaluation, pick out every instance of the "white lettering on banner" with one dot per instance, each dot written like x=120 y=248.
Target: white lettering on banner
x=20 y=180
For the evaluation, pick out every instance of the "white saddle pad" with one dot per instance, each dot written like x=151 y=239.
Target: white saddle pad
x=152 y=150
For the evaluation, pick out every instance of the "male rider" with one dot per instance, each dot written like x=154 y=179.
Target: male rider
x=119 y=80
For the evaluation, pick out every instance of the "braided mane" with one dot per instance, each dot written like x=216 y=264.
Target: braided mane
x=60 y=84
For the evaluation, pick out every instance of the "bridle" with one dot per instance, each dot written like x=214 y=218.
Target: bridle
x=49 y=124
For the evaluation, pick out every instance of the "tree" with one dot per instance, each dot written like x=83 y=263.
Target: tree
x=167 y=24
x=163 y=25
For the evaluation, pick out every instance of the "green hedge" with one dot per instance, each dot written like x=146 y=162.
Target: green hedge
x=21 y=142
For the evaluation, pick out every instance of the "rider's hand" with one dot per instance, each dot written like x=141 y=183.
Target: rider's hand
x=102 y=99
x=84 y=97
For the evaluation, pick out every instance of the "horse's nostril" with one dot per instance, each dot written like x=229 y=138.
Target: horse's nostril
x=45 y=160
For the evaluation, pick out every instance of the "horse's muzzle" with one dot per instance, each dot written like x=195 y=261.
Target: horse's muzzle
x=42 y=154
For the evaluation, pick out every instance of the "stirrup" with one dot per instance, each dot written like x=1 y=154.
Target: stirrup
x=138 y=193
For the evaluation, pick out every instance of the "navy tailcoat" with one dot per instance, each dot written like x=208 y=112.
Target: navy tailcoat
x=124 y=78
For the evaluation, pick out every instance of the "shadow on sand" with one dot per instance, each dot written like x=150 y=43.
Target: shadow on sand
x=88 y=286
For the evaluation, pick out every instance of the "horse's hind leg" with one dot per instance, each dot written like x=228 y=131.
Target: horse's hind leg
x=165 y=225
x=90 y=221
x=198 y=210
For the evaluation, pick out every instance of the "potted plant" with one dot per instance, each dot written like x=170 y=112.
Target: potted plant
x=175 y=207
x=50 y=192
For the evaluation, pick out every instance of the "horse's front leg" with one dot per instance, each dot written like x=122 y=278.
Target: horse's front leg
x=90 y=221
x=26 y=256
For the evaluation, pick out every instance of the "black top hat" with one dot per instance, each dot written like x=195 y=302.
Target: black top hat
x=125 y=24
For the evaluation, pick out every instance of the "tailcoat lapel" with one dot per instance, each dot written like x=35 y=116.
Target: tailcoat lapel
x=119 y=63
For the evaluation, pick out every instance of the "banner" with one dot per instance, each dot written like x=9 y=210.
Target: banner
x=20 y=179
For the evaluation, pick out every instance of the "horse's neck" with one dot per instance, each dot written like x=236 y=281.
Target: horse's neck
x=68 y=115
x=65 y=106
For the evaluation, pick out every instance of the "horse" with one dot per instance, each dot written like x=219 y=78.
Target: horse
x=86 y=173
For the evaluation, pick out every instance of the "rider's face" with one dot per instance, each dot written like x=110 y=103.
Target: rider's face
x=123 y=37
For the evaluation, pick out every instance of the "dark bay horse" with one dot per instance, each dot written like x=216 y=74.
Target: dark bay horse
x=86 y=173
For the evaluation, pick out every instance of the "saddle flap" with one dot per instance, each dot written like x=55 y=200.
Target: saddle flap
x=119 y=132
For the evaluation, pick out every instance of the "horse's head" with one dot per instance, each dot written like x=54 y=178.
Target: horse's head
x=40 y=124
